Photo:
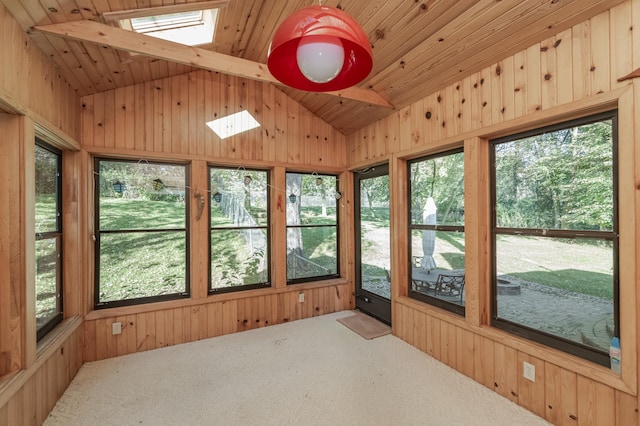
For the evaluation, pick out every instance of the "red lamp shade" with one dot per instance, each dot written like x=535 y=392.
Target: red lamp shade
x=333 y=31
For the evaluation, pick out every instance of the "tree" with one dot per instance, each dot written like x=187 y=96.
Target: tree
x=294 y=234
x=557 y=180
x=443 y=179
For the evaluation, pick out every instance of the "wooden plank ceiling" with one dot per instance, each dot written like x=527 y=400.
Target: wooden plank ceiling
x=419 y=46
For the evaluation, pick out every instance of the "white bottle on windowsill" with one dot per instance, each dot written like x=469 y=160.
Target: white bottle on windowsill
x=615 y=355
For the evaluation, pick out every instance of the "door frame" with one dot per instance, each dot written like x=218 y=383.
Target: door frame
x=366 y=301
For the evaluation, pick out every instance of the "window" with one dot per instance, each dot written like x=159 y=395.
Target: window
x=48 y=214
x=555 y=234
x=312 y=227
x=182 y=24
x=436 y=226
x=239 y=229
x=142 y=250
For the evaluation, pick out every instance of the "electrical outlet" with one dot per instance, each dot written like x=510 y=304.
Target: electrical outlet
x=116 y=328
x=300 y=297
x=529 y=371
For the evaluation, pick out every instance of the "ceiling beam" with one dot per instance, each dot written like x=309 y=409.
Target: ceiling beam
x=117 y=38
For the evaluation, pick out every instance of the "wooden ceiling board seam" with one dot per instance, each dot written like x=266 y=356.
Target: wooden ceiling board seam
x=258 y=44
x=118 y=72
x=407 y=32
x=359 y=116
x=156 y=3
x=225 y=33
x=89 y=68
x=99 y=7
x=32 y=11
x=424 y=61
x=63 y=54
x=364 y=11
x=479 y=60
x=117 y=5
x=73 y=76
x=86 y=9
x=246 y=26
x=94 y=54
x=56 y=11
x=19 y=13
x=158 y=68
x=68 y=56
x=138 y=71
x=72 y=62
x=284 y=12
x=71 y=10
x=453 y=36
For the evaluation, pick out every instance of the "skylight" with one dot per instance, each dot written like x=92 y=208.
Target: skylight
x=170 y=21
x=191 y=24
x=192 y=28
x=233 y=124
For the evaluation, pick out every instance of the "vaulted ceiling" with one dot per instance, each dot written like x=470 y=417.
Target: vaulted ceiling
x=419 y=46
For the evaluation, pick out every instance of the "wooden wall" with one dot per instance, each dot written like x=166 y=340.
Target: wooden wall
x=166 y=119
x=31 y=85
x=572 y=74
x=166 y=326
x=26 y=398
x=34 y=100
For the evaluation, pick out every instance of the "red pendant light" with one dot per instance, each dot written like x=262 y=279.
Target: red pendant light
x=320 y=49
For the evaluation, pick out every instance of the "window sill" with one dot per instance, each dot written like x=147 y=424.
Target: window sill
x=223 y=297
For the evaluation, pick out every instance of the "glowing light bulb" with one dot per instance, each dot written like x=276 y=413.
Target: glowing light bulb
x=320 y=58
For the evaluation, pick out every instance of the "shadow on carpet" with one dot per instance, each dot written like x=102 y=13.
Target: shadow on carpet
x=366 y=326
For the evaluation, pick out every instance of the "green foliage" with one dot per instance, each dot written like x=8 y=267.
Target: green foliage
x=557 y=180
x=141 y=180
x=442 y=178
x=233 y=263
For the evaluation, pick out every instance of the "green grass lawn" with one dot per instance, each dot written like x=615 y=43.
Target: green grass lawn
x=581 y=266
x=46 y=260
x=141 y=264
x=145 y=264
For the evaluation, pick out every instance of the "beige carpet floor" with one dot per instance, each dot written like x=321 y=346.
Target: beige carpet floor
x=308 y=372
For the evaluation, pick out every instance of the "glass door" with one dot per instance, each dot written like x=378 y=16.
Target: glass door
x=373 y=242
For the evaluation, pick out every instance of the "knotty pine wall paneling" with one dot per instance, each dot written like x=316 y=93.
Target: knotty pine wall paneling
x=571 y=74
x=27 y=397
x=31 y=85
x=161 y=326
x=12 y=290
x=166 y=120
x=33 y=375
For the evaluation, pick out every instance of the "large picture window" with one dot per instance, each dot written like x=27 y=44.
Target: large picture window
x=436 y=226
x=555 y=233
x=312 y=227
x=142 y=251
x=239 y=229
x=48 y=221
